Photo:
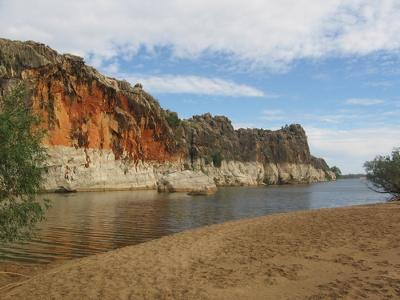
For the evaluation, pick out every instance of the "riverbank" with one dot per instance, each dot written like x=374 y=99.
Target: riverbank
x=351 y=252
x=71 y=169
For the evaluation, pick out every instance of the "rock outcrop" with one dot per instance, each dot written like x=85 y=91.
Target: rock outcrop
x=81 y=169
x=105 y=134
x=193 y=182
x=83 y=109
x=249 y=156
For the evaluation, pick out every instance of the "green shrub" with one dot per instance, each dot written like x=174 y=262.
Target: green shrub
x=172 y=119
x=384 y=173
x=217 y=159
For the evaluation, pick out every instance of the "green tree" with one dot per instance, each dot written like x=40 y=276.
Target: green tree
x=337 y=171
x=22 y=159
x=384 y=173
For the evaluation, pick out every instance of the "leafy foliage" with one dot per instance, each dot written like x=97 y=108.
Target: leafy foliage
x=22 y=160
x=384 y=173
x=337 y=171
x=217 y=159
x=172 y=119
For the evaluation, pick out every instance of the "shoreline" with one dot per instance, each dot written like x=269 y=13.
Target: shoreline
x=349 y=252
x=259 y=185
x=77 y=169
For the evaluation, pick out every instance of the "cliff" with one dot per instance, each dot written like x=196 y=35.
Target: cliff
x=253 y=156
x=82 y=108
x=105 y=134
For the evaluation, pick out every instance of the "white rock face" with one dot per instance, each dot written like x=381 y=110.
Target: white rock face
x=194 y=182
x=80 y=169
x=91 y=169
x=294 y=173
x=233 y=173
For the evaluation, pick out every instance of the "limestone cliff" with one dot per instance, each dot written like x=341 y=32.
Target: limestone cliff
x=105 y=134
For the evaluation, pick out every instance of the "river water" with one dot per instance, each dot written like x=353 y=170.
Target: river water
x=82 y=224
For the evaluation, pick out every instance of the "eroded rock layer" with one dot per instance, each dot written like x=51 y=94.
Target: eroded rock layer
x=82 y=108
x=250 y=156
x=105 y=134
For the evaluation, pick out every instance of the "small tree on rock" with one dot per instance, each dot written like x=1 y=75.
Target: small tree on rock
x=22 y=158
x=337 y=171
x=384 y=174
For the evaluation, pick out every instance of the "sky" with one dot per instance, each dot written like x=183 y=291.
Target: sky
x=332 y=66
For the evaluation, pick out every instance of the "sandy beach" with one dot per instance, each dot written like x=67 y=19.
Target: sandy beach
x=350 y=253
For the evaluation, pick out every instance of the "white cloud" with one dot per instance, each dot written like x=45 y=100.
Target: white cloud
x=238 y=125
x=392 y=113
x=327 y=118
x=382 y=83
x=321 y=76
x=364 y=101
x=273 y=115
x=349 y=149
x=194 y=85
x=258 y=33
x=112 y=68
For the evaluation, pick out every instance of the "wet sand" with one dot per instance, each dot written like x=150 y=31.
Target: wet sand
x=351 y=253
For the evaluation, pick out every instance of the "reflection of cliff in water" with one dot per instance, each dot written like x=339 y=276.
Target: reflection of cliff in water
x=86 y=223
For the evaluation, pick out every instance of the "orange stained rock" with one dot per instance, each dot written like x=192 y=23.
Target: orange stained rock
x=84 y=113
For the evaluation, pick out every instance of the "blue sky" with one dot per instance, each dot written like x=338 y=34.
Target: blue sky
x=332 y=66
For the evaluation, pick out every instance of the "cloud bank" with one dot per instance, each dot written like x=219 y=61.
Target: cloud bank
x=194 y=85
x=364 y=101
x=349 y=149
x=259 y=33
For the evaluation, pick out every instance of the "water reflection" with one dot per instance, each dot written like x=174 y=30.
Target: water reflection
x=87 y=223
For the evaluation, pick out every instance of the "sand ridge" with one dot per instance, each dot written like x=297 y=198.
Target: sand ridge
x=351 y=253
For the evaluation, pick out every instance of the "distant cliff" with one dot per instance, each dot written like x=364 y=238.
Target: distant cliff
x=280 y=156
x=105 y=134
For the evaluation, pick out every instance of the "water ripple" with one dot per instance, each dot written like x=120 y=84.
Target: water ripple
x=82 y=224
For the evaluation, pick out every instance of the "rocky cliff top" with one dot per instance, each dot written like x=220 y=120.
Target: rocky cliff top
x=82 y=108
x=16 y=57
x=206 y=137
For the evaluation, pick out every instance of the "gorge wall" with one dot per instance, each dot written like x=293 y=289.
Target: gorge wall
x=103 y=134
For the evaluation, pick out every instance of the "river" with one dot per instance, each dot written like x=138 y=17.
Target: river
x=82 y=224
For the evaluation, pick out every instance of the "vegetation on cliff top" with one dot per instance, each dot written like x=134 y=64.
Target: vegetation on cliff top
x=22 y=160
